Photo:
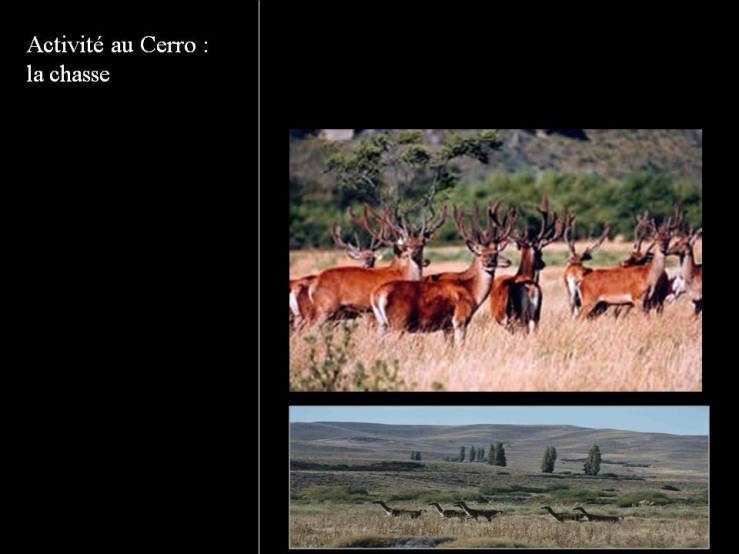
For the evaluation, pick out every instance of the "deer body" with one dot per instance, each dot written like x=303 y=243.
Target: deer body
x=516 y=300
x=629 y=285
x=593 y=517
x=691 y=273
x=562 y=517
x=397 y=512
x=448 y=514
x=474 y=513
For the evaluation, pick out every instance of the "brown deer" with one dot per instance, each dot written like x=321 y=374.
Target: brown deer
x=301 y=308
x=397 y=512
x=516 y=300
x=593 y=517
x=637 y=257
x=691 y=273
x=446 y=305
x=647 y=284
x=448 y=514
x=575 y=270
x=562 y=517
x=350 y=287
x=475 y=513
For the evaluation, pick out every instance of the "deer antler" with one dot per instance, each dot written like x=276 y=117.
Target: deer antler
x=378 y=235
x=501 y=230
x=549 y=232
x=458 y=216
x=570 y=226
x=590 y=249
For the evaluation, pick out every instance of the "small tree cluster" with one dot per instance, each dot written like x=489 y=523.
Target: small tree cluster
x=592 y=463
x=550 y=456
x=415 y=455
x=461 y=454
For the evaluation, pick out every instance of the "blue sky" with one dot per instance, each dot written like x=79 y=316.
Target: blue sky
x=677 y=420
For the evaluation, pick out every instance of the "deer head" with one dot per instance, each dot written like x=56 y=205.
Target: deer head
x=366 y=256
x=666 y=231
x=410 y=239
x=587 y=254
x=489 y=242
x=685 y=242
x=642 y=231
x=549 y=231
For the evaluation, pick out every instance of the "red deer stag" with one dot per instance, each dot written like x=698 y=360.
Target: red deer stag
x=575 y=270
x=301 y=308
x=647 y=284
x=350 y=287
x=691 y=273
x=446 y=305
x=516 y=299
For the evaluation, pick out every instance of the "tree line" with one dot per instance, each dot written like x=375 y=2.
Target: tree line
x=496 y=456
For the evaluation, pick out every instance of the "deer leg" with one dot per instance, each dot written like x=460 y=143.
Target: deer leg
x=459 y=332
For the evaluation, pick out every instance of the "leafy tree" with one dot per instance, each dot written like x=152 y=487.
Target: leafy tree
x=418 y=456
x=491 y=454
x=473 y=453
x=413 y=454
x=592 y=463
x=500 y=459
x=481 y=454
x=550 y=456
x=461 y=453
x=398 y=167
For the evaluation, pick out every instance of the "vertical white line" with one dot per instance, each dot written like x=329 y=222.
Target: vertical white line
x=259 y=281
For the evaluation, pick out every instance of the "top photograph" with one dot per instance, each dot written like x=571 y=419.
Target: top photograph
x=459 y=260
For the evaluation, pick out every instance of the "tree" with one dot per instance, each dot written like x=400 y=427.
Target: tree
x=418 y=456
x=413 y=454
x=461 y=454
x=592 y=463
x=473 y=453
x=550 y=456
x=397 y=166
x=481 y=454
x=491 y=454
x=499 y=454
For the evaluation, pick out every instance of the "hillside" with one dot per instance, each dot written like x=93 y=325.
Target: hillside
x=613 y=153
x=524 y=444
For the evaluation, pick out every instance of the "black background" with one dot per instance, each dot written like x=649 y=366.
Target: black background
x=133 y=209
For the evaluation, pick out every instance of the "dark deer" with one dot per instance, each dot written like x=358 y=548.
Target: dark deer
x=516 y=299
x=562 y=517
x=475 y=513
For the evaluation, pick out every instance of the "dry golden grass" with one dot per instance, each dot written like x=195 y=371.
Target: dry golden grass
x=631 y=353
x=361 y=525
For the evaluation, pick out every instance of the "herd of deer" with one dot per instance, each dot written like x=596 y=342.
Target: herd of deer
x=402 y=299
x=465 y=512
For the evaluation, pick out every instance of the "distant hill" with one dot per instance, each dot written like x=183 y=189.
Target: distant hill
x=616 y=153
x=524 y=444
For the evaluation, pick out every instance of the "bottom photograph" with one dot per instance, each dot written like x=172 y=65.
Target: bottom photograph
x=499 y=477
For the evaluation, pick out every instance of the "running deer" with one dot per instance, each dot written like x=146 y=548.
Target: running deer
x=575 y=270
x=301 y=308
x=593 y=517
x=691 y=273
x=446 y=305
x=562 y=517
x=516 y=299
x=474 y=513
x=397 y=512
x=448 y=514
x=350 y=287
x=647 y=284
